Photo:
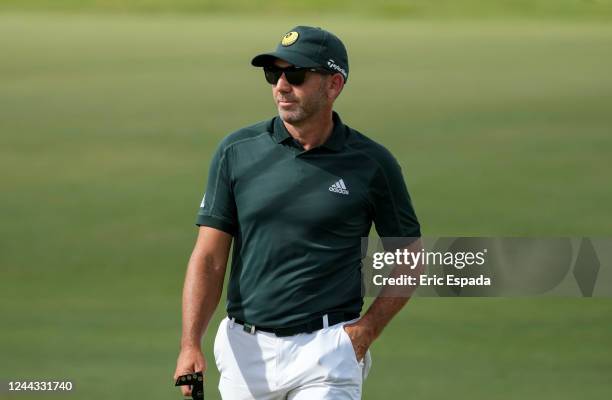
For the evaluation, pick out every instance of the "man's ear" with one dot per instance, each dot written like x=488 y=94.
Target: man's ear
x=336 y=85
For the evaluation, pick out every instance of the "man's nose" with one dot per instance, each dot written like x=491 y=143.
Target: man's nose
x=282 y=84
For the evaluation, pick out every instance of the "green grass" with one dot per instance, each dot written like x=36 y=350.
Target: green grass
x=553 y=9
x=107 y=125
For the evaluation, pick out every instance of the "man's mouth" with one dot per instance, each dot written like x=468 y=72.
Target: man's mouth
x=285 y=102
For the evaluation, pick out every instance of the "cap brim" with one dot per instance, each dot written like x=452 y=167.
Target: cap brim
x=292 y=57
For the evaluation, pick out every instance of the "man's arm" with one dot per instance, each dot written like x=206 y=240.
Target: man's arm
x=388 y=303
x=201 y=294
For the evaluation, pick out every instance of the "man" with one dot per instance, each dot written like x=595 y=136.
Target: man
x=296 y=194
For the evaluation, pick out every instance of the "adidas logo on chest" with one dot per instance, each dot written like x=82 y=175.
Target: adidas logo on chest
x=339 y=187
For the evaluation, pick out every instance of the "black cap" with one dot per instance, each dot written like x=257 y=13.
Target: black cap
x=309 y=47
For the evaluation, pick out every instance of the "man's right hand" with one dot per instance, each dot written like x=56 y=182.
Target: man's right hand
x=201 y=294
x=190 y=360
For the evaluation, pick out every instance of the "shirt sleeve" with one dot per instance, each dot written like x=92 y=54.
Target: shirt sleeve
x=218 y=207
x=394 y=216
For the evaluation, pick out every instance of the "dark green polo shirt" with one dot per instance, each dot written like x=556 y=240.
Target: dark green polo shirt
x=298 y=217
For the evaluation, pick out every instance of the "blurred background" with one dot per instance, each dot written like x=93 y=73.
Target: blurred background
x=498 y=111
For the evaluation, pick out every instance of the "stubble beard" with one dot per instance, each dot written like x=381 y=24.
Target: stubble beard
x=302 y=110
x=293 y=116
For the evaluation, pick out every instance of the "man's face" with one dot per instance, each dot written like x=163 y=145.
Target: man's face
x=298 y=103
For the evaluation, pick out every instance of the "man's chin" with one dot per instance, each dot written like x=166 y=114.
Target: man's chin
x=290 y=116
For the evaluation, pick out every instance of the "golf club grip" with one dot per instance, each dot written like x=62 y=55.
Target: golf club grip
x=196 y=381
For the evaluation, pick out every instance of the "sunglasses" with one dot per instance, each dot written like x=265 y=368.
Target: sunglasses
x=294 y=75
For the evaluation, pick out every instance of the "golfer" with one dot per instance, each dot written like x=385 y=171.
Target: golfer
x=295 y=194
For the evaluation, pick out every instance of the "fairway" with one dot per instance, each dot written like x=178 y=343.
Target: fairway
x=107 y=126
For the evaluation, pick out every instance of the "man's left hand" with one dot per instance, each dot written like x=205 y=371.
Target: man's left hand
x=361 y=336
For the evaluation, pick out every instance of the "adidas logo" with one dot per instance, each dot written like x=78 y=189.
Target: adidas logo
x=339 y=187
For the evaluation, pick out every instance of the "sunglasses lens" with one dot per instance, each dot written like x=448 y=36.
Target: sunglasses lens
x=295 y=76
x=272 y=75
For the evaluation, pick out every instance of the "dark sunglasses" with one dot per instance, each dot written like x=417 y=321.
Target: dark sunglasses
x=294 y=75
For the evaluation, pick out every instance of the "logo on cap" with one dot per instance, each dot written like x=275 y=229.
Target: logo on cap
x=289 y=38
x=332 y=65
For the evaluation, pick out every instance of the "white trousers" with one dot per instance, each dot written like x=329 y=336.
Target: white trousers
x=309 y=366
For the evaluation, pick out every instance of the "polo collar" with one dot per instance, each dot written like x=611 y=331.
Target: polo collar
x=334 y=142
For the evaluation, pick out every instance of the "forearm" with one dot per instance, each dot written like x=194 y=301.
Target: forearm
x=201 y=294
x=391 y=299
x=380 y=313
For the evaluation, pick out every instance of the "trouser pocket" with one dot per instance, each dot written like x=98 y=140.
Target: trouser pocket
x=348 y=344
x=218 y=342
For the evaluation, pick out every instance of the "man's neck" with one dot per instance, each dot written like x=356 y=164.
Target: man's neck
x=312 y=132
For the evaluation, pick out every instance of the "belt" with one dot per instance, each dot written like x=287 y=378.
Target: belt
x=308 y=327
